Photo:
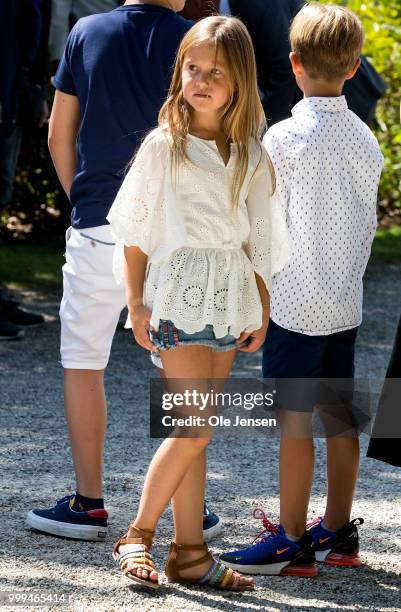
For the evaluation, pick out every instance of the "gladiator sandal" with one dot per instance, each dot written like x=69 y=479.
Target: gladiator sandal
x=137 y=553
x=218 y=575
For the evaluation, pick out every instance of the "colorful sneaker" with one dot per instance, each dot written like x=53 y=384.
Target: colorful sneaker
x=63 y=521
x=274 y=554
x=339 y=547
x=212 y=525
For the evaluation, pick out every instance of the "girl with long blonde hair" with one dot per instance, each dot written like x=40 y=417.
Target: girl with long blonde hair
x=202 y=236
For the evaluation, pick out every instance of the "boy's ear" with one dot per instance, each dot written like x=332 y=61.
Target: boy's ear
x=352 y=72
x=296 y=64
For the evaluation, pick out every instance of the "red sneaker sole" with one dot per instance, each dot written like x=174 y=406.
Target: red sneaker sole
x=308 y=570
x=343 y=560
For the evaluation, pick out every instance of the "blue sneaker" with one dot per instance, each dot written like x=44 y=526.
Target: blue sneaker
x=339 y=548
x=274 y=554
x=212 y=525
x=63 y=521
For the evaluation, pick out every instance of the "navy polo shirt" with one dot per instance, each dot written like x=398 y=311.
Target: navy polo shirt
x=119 y=65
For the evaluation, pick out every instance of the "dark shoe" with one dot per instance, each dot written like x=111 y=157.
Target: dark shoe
x=274 y=554
x=339 y=548
x=212 y=525
x=61 y=520
x=9 y=331
x=13 y=313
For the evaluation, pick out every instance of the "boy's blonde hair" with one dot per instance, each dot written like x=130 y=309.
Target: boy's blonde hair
x=328 y=40
x=243 y=116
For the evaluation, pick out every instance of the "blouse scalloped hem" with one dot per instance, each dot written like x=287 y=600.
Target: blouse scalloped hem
x=199 y=287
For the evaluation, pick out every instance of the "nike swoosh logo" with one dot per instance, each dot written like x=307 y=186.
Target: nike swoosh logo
x=323 y=540
x=280 y=552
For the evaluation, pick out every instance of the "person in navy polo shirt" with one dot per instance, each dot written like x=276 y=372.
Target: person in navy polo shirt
x=110 y=85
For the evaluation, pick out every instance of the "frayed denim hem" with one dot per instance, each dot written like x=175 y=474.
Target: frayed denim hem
x=217 y=348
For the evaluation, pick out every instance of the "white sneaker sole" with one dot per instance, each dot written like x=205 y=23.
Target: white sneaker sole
x=20 y=334
x=321 y=555
x=213 y=532
x=66 y=530
x=273 y=569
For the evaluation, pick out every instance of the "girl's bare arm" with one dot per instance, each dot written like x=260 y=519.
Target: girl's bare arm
x=258 y=336
x=134 y=272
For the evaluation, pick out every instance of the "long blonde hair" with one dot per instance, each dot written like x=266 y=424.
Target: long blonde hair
x=243 y=116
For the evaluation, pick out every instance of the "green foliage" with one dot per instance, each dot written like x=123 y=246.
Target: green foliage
x=39 y=207
x=387 y=245
x=32 y=265
x=39 y=265
x=382 y=23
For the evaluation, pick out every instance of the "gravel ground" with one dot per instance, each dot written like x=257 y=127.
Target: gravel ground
x=36 y=469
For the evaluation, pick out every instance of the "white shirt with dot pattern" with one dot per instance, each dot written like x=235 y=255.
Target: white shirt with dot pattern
x=328 y=166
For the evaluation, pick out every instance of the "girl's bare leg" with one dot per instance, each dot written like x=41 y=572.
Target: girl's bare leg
x=188 y=500
x=175 y=455
x=178 y=467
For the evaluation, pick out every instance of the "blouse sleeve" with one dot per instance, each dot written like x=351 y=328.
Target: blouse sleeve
x=137 y=214
x=268 y=246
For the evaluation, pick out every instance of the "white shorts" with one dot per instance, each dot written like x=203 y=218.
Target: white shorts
x=92 y=300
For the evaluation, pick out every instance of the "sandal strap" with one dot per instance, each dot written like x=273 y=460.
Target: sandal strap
x=132 y=555
x=145 y=563
x=179 y=547
x=125 y=540
x=205 y=579
x=194 y=562
x=227 y=578
x=144 y=535
x=217 y=575
x=138 y=554
x=221 y=576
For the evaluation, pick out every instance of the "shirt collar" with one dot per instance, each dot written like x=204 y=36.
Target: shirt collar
x=328 y=105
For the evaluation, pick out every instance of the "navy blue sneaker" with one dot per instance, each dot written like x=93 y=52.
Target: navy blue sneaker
x=274 y=554
x=63 y=521
x=339 y=548
x=212 y=525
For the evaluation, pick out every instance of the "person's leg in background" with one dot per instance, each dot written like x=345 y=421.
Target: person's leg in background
x=12 y=318
x=286 y=549
x=89 y=312
x=336 y=539
x=10 y=146
x=59 y=29
x=342 y=451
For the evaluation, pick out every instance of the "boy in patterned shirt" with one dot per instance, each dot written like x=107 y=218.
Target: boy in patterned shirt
x=328 y=166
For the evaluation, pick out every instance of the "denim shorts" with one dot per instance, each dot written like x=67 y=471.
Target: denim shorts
x=169 y=337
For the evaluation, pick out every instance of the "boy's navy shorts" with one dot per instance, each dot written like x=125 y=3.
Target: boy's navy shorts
x=289 y=354
x=301 y=365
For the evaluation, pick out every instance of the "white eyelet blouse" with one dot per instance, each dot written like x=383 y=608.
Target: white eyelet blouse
x=202 y=254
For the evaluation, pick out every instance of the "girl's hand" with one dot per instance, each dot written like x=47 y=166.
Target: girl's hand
x=257 y=337
x=140 y=322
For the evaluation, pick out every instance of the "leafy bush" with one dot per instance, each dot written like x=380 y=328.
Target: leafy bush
x=40 y=208
x=382 y=23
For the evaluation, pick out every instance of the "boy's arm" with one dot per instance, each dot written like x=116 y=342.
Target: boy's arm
x=64 y=126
